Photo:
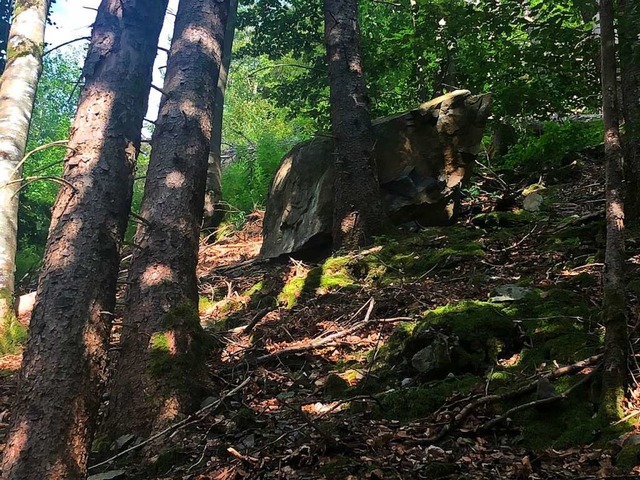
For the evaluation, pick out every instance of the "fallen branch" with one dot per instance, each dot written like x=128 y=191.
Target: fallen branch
x=176 y=426
x=524 y=390
x=314 y=344
x=256 y=319
x=535 y=403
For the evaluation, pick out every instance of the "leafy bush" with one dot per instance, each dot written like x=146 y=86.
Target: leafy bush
x=245 y=183
x=260 y=132
x=12 y=335
x=551 y=149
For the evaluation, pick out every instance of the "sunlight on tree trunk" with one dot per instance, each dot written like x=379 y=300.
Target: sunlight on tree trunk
x=163 y=346
x=358 y=214
x=63 y=368
x=17 y=94
x=213 y=207
x=615 y=320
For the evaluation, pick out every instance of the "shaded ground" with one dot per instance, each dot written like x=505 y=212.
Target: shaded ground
x=330 y=387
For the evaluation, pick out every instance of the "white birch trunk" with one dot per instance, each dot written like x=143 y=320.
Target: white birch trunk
x=17 y=95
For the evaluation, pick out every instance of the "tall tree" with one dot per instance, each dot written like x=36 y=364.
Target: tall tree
x=163 y=347
x=17 y=95
x=615 y=319
x=358 y=214
x=6 y=8
x=213 y=208
x=629 y=32
x=60 y=384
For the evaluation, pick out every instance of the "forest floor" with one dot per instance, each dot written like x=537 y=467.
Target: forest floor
x=465 y=352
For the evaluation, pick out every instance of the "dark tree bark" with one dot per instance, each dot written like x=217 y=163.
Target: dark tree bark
x=358 y=214
x=213 y=207
x=615 y=321
x=161 y=367
x=63 y=368
x=629 y=33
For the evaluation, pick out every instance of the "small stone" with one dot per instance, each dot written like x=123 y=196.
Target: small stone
x=509 y=293
x=123 y=441
x=545 y=389
x=433 y=358
x=207 y=401
x=110 y=475
x=533 y=202
x=406 y=382
x=632 y=440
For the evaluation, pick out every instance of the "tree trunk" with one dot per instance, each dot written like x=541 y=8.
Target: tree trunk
x=629 y=29
x=63 y=369
x=213 y=207
x=615 y=321
x=163 y=348
x=358 y=214
x=6 y=9
x=17 y=95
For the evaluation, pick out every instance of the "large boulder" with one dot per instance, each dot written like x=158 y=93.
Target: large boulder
x=423 y=158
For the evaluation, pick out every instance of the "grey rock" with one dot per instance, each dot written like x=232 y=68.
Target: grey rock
x=545 y=389
x=422 y=156
x=509 y=293
x=433 y=358
x=533 y=202
x=123 y=441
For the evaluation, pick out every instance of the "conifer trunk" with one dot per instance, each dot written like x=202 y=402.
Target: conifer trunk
x=56 y=406
x=17 y=95
x=358 y=214
x=213 y=207
x=163 y=350
x=629 y=33
x=615 y=321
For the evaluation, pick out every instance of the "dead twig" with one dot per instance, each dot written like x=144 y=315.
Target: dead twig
x=176 y=426
x=314 y=344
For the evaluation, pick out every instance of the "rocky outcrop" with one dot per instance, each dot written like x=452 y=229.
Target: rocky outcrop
x=423 y=158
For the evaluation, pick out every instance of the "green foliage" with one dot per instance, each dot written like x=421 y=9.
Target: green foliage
x=536 y=57
x=259 y=131
x=55 y=105
x=552 y=148
x=13 y=335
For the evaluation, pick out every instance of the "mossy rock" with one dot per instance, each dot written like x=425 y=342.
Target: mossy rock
x=477 y=332
x=335 y=386
x=628 y=457
x=418 y=402
x=566 y=423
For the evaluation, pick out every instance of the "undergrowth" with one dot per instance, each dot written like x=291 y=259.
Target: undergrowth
x=533 y=153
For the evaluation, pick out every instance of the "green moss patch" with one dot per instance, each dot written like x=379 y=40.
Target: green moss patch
x=505 y=219
x=565 y=423
x=336 y=273
x=417 y=402
x=13 y=335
